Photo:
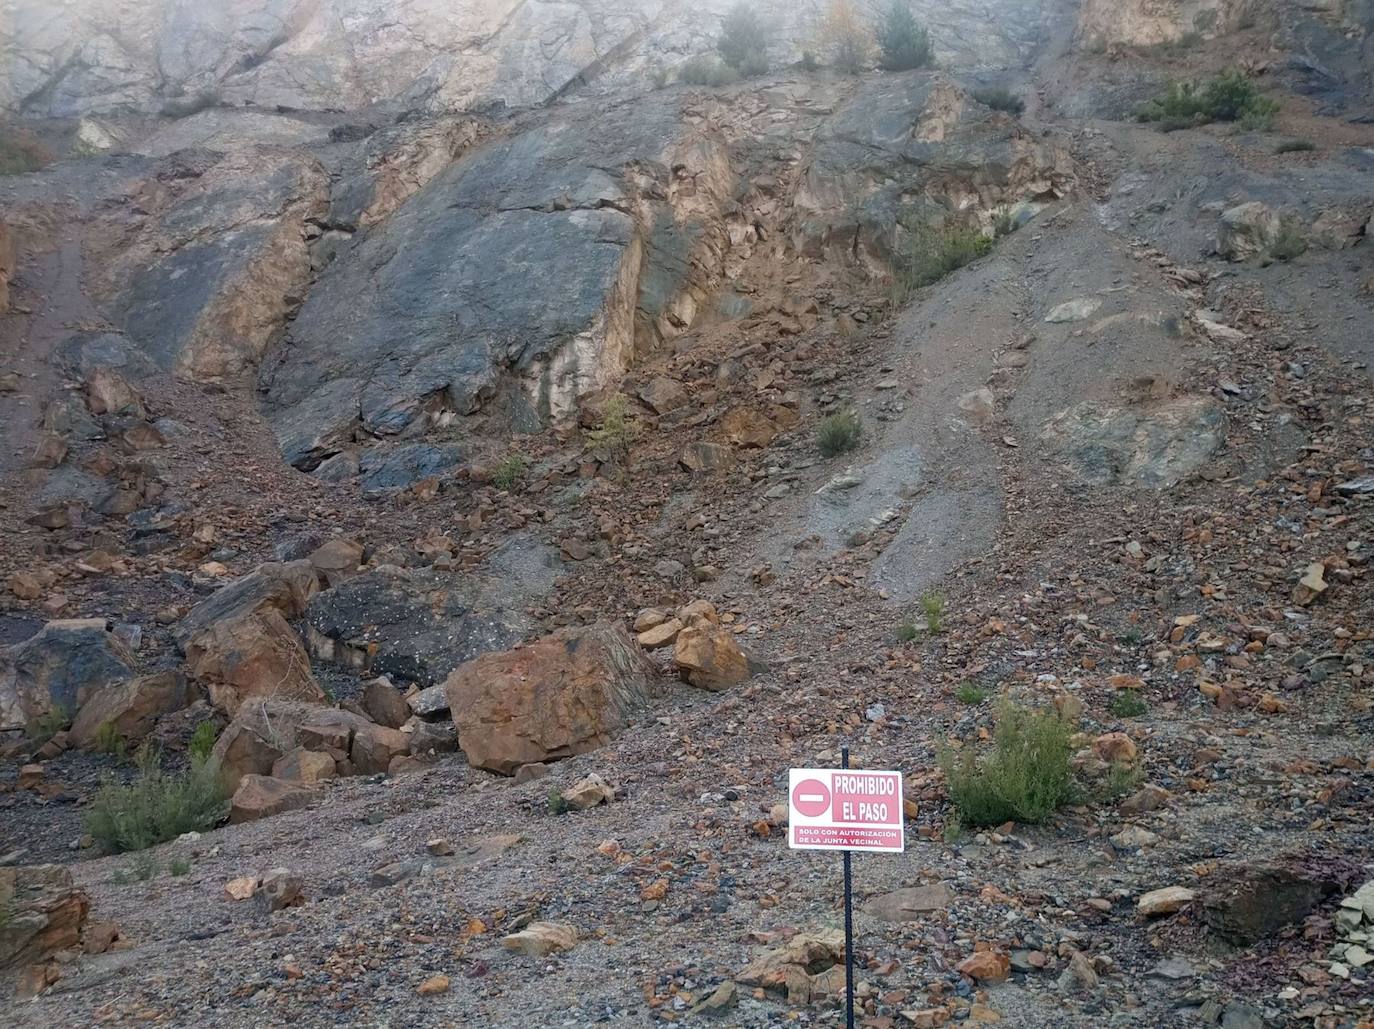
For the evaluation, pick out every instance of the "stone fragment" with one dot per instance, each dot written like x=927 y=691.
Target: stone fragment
x=1115 y=748
x=278 y=889
x=709 y=658
x=375 y=746
x=910 y=904
x=261 y=796
x=241 y=888
x=986 y=966
x=45 y=913
x=337 y=560
x=1164 y=901
x=304 y=766
x=433 y=986
x=661 y=635
x=540 y=939
x=588 y=793
x=707 y=457
x=131 y=709
x=384 y=703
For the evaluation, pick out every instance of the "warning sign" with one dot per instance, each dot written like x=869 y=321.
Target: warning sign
x=845 y=809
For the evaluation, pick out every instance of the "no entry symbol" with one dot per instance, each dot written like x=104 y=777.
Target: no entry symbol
x=811 y=798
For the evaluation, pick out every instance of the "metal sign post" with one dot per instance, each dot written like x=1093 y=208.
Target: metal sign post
x=844 y=810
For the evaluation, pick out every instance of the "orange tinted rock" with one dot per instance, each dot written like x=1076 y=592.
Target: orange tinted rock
x=708 y=657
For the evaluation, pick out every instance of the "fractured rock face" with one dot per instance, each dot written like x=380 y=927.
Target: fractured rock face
x=255 y=656
x=562 y=695
x=45 y=913
x=1143 y=23
x=206 y=282
x=132 y=708
x=1153 y=445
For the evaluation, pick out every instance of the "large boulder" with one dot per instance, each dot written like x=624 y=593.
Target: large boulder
x=44 y=913
x=708 y=657
x=131 y=709
x=562 y=695
x=256 y=656
x=1247 y=230
x=283 y=586
x=415 y=625
x=61 y=668
x=261 y=796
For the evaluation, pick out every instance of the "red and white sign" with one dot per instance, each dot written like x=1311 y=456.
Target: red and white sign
x=844 y=809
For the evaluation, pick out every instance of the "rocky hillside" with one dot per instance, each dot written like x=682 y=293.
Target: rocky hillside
x=456 y=462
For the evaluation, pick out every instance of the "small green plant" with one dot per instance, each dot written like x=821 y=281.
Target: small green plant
x=1295 y=146
x=907 y=631
x=156 y=806
x=48 y=724
x=931 y=254
x=839 y=433
x=109 y=741
x=706 y=71
x=1127 y=704
x=1228 y=97
x=903 y=42
x=557 y=804
x=743 y=40
x=1000 y=100
x=618 y=429
x=844 y=37
x=971 y=694
x=510 y=472
x=1026 y=778
x=1290 y=243
x=179 y=866
x=202 y=742
x=143 y=866
x=933 y=608
x=1121 y=781
x=21 y=152
x=953 y=831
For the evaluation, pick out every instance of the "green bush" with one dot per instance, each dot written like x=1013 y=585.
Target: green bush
x=156 y=806
x=743 y=41
x=903 y=42
x=179 y=866
x=907 y=631
x=706 y=71
x=1290 y=243
x=839 y=433
x=202 y=741
x=108 y=741
x=1228 y=97
x=933 y=253
x=933 y=607
x=1127 y=704
x=1295 y=146
x=557 y=804
x=971 y=694
x=1000 y=100
x=1003 y=224
x=1121 y=781
x=1026 y=778
x=618 y=429
x=20 y=151
x=510 y=472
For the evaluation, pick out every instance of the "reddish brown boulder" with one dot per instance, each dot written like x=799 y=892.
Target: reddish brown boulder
x=257 y=656
x=261 y=796
x=565 y=694
x=304 y=766
x=708 y=657
x=45 y=913
x=337 y=560
x=374 y=746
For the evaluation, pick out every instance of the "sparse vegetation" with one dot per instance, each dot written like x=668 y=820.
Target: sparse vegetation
x=933 y=608
x=1004 y=223
x=557 y=805
x=618 y=428
x=1121 y=781
x=743 y=42
x=971 y=694
x=1290 y=243
x=706 y=71
x=202 y=742
x=903 y=42
x=1229 y=97
x=1000 y=100
x=933 y=253
x=1127 y=704
x=844 y=37
x=1295 y=146
x=20 y=151
x=179 y=866
x=109 y=741
x=510 y=472
x=907 y=631
x=839 y=433
x=156 y=806
x=1026 y=778
x=49 y=724
x=143 y=866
